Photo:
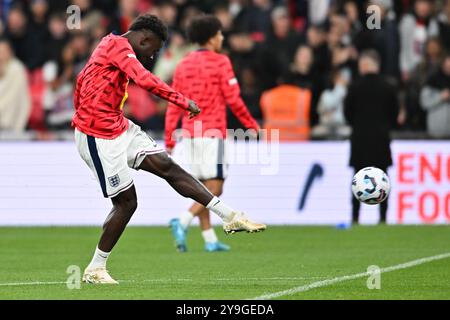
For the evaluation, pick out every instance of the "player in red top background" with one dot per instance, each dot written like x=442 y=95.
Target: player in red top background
x=110 y=144
x=206 y=76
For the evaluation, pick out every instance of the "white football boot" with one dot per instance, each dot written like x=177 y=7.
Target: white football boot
x=98 y=276
x=241 y=223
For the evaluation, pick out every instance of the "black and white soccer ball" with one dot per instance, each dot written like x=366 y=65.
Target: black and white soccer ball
x=371 y=185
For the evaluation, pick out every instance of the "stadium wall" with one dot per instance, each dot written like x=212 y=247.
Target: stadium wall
x=46 y=183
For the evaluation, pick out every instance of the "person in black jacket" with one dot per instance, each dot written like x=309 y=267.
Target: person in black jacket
x=371 y=109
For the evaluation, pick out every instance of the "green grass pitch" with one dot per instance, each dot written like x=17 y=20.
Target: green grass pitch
x=281 y=258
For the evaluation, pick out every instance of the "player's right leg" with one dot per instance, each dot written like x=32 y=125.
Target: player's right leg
x=163 y=166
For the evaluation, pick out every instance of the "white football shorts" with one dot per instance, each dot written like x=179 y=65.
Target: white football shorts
x=111 y=160
x=206 y=157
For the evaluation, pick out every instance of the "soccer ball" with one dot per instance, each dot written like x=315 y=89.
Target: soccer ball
x=371 y=185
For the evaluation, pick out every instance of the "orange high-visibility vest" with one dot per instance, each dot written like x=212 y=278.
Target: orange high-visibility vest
x=287 y=109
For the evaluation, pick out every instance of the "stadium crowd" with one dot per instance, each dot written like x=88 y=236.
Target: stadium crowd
x=310 y=45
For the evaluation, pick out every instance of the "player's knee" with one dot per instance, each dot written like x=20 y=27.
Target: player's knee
x=131 y=206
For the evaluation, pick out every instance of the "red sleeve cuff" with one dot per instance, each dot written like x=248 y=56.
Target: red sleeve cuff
x=170 y=144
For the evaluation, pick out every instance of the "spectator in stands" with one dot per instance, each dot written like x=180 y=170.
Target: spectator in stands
x=443 y=20
x=261 y=38
x=279 y=49
x=318 y=11
x=302 y=75
x=385 y=40
x=351 y=10
x=167 y=11
x=430 y=64
x=254 y=19
x=371 y=108
x=317 y=36
x=251 y=94
x=23 y=41
x=435 y=99
x=80 y=45
x=38 y=25
x=190 y=12
x=58 y=36
x=169 y=58
x=57 y=101
x=223 y=14
x=15 y=104
x=415 y=28
x=343 y=54
x=331 y=108
x=123 y=17
x=90 y=17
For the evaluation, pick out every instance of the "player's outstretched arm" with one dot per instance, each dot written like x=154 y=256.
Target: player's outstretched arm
x=125 y=59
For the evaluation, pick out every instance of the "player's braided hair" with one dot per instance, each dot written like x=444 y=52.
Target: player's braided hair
x=152 y=23
x=203 y=28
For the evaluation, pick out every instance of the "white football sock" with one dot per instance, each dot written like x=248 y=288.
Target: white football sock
x=209 y=235
x=221 y=209
x=186 y=219
x=99 y=259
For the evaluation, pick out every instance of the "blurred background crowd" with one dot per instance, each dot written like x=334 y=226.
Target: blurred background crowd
x=280 y=49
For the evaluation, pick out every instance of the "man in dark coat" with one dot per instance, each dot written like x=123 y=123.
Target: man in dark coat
x=371 y=109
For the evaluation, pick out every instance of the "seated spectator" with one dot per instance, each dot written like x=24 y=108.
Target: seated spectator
x=15 y=104
x=58 y=93
x=331 y=108
x=435 y=99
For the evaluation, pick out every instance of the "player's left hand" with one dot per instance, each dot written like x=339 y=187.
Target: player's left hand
x=193 y=109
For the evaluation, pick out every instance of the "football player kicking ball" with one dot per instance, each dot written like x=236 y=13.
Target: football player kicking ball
x=110 y=144
x=206 y=76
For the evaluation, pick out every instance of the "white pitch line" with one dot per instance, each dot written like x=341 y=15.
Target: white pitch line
x=329 y=282
x=37 y=283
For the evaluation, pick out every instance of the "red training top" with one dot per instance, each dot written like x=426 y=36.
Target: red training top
x=101 y=88
x=208 y=78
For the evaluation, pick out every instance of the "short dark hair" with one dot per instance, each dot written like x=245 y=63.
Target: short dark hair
x=203 y=28
x=152 y=23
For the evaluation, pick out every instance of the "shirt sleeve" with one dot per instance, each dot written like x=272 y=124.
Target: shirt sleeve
x=232 y=94
x=124 y=58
